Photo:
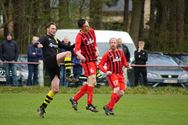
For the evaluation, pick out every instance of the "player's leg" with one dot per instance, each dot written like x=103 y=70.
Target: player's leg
x=77 y=96
x=53 y=70
x=66 y=58
x=82 y=91
x=49 y=97
x=118 y=87
x=91 y=81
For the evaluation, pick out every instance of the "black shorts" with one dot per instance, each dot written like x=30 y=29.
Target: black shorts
x=50 y=64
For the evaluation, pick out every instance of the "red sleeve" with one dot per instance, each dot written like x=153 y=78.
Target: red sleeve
x=102 y=63
x=124 y=60
x=77 y=43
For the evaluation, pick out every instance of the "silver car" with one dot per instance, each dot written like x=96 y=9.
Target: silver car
x=164 y=70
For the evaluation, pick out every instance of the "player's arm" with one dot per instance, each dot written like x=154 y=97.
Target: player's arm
x=77 y=49
x=102 y=63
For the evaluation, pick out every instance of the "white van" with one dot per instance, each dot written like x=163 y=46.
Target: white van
x=102 y=38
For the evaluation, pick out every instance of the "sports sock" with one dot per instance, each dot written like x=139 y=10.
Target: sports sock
x=90 y=94
x=81 y=92
x=48 y=99
x=114 y=99
x=98 y=73
x=68 y=66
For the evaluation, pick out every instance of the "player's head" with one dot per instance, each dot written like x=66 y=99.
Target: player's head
x=51 y=29
x=113 y=43
x=83 y=25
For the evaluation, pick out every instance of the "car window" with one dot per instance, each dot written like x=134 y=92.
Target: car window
x=184 y=59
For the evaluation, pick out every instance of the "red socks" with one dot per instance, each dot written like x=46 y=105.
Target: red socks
x=85 y=88
x=114 y=99
x=90 y=94
x=81 y=92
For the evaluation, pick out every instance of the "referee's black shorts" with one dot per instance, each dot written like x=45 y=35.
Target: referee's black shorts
x=51 y=67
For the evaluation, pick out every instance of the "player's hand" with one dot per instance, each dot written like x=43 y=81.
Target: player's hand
x=108 y=73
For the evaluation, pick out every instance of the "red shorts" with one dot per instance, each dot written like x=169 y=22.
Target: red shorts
x=116 y=80
x=90 y=68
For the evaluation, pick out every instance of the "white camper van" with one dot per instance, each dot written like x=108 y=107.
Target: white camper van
x=102 y=38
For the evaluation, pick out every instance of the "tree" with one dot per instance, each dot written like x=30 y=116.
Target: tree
x=64 y=13
x=135 y=20
x=7 y=8
x=180 y=23
x=126 y=15
x=95 y=13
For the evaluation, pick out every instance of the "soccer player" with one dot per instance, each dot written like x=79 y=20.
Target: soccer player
x=87 y=51
x=52 y=59
x=115 y=60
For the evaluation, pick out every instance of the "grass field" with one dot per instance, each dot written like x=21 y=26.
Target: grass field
x=19 y=108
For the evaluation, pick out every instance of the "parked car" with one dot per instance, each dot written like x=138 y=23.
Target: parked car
x=166 y=71
x=181 y=59
x=22 y=71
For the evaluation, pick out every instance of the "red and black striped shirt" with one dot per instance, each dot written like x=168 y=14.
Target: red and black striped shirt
x=115 y=60
x=86 y=43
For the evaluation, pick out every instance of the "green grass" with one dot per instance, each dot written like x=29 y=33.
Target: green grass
x=150 y=108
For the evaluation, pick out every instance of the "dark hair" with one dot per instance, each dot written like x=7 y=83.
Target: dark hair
x=81 y=22
x=49 y=24
x=7 y=34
